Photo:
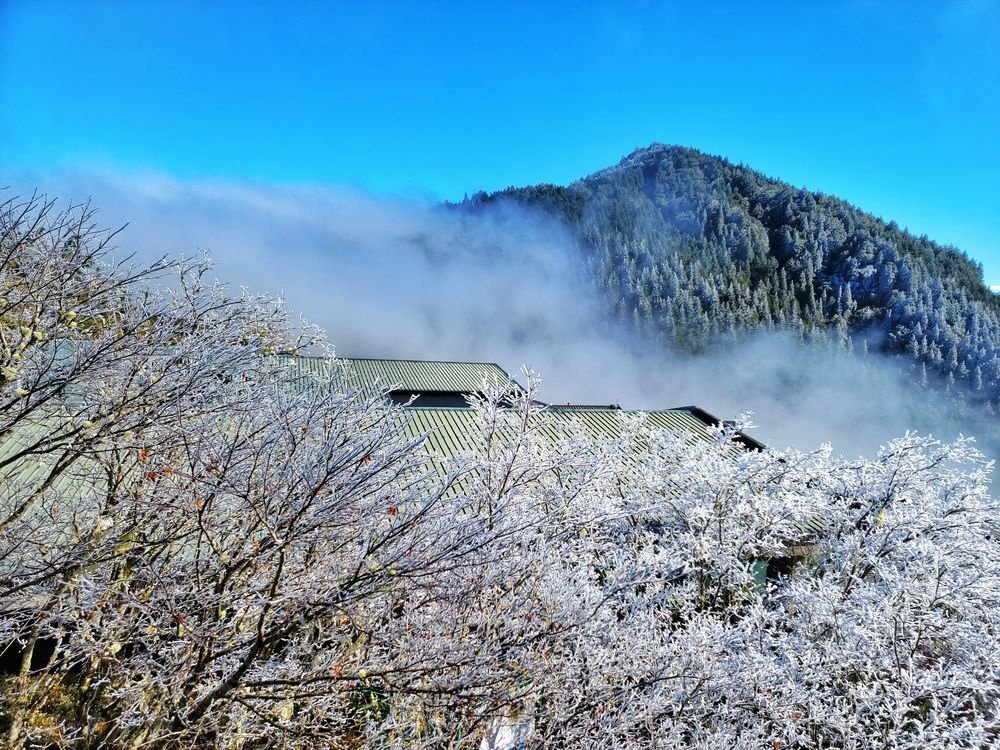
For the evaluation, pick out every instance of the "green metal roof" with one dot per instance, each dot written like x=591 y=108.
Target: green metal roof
x=414 y=375
x=451 y=430
x=450 y=425
x=27 y=459
x=29 y=452
x=400 y=375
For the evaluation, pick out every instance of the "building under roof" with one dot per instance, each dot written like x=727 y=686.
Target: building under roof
x=435 y=394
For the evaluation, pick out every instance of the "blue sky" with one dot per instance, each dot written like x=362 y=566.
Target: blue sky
x=894 y=106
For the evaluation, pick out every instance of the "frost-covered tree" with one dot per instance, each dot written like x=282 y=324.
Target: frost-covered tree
x=715 y=598
x=196 y=549
x=664 y=592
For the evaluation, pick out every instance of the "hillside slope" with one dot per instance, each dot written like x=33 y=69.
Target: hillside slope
x=693 y=248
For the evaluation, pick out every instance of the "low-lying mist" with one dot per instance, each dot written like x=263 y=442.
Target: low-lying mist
x=406 y=278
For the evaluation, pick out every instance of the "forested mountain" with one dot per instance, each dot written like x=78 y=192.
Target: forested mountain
x=695 y=249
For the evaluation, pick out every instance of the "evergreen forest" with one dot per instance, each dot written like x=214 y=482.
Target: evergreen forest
x=693 y=250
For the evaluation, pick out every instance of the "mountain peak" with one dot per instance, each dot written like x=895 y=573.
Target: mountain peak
x=690 y=248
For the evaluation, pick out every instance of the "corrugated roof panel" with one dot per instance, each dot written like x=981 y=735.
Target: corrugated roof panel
x=451 y=433
x=415 y=375
x=305 y=374
x=29 y=460
x=402 y=375
x=450 y=429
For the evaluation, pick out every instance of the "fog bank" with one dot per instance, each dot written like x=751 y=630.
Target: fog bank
x=406 y=278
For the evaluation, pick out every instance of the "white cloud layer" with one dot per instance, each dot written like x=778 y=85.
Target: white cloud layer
x=404 y=278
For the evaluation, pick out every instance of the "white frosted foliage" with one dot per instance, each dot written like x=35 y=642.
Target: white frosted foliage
x=197 y=552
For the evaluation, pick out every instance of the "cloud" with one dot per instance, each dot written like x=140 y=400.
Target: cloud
x=406 y=278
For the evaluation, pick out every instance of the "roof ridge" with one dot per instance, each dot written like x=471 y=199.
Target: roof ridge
x=421 y=361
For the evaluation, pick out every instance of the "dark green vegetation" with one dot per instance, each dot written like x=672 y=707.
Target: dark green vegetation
x=694 y=249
